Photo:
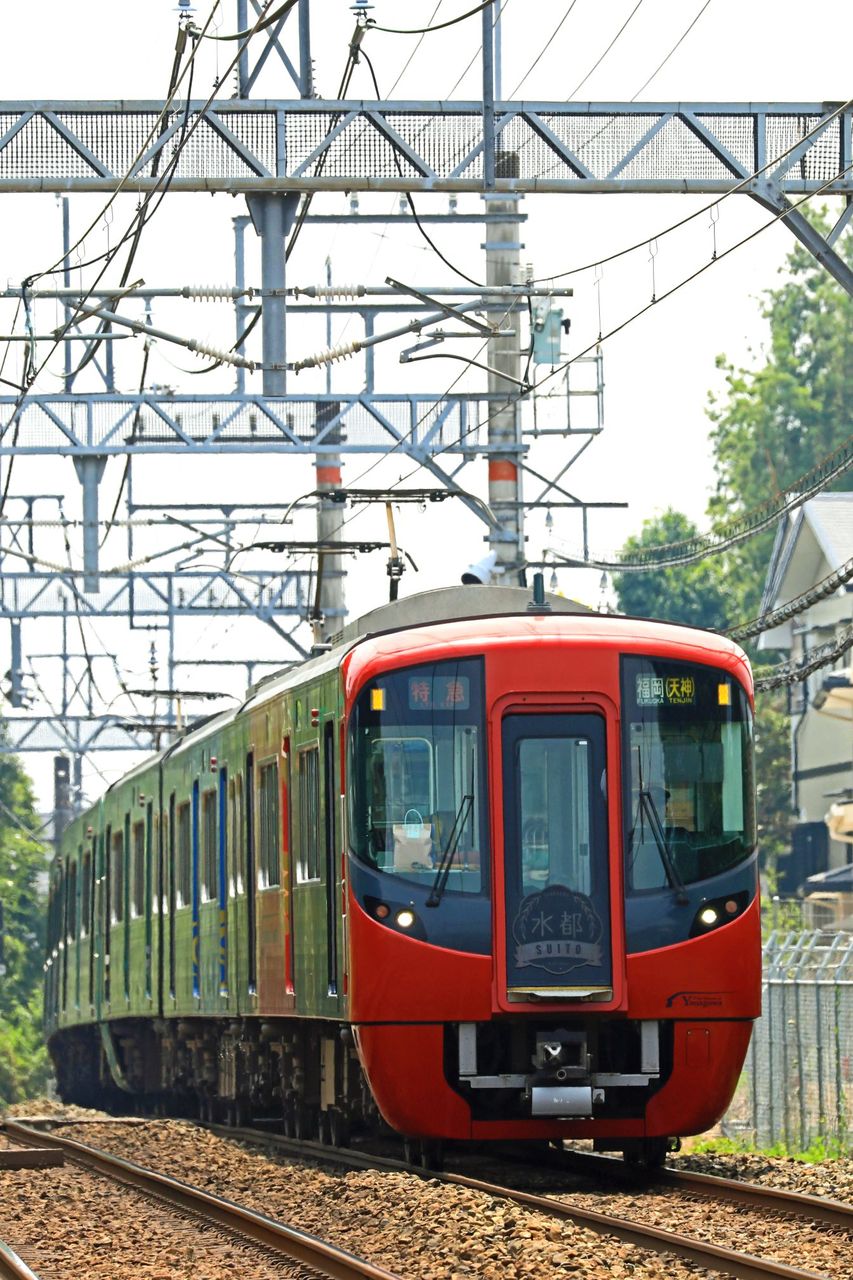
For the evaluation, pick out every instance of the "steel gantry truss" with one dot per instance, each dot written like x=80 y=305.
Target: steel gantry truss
x=278 y=152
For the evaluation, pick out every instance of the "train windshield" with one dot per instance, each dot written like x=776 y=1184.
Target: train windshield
x=688 y=773
x=417 y=775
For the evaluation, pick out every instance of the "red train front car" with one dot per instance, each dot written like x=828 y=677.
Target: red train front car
x=552 y=914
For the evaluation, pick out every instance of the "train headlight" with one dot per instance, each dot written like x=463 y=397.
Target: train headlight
x=405 y=919
x=718 y=912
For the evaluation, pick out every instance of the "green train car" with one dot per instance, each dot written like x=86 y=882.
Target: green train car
x=194 y=903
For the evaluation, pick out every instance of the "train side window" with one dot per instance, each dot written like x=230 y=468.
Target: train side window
x=71 y=903
x=308 y=854
x=86 y=895
x=117 y=859
x=137 y=898
x=232 y=861
x=184 y=854
x=269 y=873
x=208 y=822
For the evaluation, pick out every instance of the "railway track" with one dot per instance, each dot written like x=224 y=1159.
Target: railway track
x=12 y=1267
x=323 y=1258
x=833 y=1213
x=730 y=1261
x=706 y=1253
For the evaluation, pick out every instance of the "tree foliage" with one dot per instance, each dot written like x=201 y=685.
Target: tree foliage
x=774 y=423
x=23 y=1059
x=778 y=420
x=694 y=594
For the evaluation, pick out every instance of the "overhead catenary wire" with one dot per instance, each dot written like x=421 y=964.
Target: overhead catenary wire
x=456 y=270
x=685 y=33
x=411 y=56
x=601 y=58
x=440 y=26
x=795 y=672
x=199 y=116
x=794 y=607
x=818 y=478
x=546 y=46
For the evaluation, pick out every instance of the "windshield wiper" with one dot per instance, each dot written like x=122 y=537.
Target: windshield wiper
x=439 y=884
x=648 y=806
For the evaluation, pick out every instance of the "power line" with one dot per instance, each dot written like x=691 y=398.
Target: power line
x=833 y=466
x=739 y=186
x=685 y=33
x=411 y=56
x=794 y=672
x=598 y=63
x=793 y=608
x=546 y=46
x=440 y=26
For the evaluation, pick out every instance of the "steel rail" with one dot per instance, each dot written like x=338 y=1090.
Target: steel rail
x=732 y=1262
x=12 y=1267
x=716 y=1257
x=834 y=1213
x=301 y=1246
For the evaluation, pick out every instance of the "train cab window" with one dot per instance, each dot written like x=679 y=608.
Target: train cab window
x=209 y=847
x=268 y=830
x=688 y=772
x=308 y=851
x=117 y=860
x=184 y=834
x=554 y=776
x=137 y=896
x=417 y=763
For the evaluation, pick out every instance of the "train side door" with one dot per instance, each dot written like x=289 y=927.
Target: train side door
x=557 y=885
x=316 y=886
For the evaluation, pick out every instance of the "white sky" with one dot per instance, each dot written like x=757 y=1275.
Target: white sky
x=659 y=371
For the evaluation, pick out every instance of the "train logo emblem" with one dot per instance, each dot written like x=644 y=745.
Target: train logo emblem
x=557 y=930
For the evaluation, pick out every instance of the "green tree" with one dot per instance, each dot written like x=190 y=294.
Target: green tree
x=776 y=421
x=694 y=594
x=23 y=857
x=772 y=782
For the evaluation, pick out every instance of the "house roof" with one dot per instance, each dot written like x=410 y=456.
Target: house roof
x=810 y=544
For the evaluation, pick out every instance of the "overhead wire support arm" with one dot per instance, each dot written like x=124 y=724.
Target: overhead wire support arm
x=140 y=327
x=343 y=350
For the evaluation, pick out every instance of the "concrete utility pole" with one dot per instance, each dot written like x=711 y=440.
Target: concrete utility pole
x=503 y=267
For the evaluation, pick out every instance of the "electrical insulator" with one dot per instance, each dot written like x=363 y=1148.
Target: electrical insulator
x=328 y=357
x=332 y=291
x=210 y=292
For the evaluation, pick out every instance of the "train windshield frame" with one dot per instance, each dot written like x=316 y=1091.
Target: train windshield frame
x=418 y=781
x=688 y=767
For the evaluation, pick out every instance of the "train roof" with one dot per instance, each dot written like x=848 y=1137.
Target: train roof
x=427 y=608
x=446 y=605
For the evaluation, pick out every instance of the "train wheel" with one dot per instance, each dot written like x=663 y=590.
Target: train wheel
x=339 y=1131
x=304 y=1122
x=647 y=1153
x=431 y=1155
x=289 y=1118
x=411 y=1150
x=324 y=1133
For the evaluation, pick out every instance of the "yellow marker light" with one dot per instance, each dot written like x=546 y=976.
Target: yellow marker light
x=377 y=699
x=708 y=916
x=405 y=919
x=724 y=695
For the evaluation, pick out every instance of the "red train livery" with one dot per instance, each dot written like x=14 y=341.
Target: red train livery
x=498 y=882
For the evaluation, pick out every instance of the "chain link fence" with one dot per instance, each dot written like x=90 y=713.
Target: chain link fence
x=797 y=1084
